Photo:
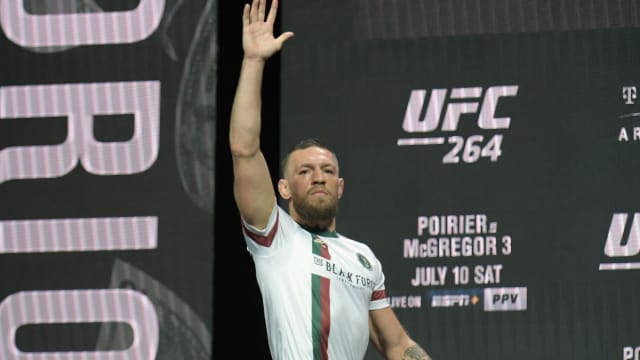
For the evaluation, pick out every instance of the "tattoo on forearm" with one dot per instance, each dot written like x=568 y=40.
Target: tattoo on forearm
x=415 y=352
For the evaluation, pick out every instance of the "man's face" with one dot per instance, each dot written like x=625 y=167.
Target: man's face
x=312 y=184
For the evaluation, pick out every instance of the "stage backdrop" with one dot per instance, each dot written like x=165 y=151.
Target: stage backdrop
x=490 y=151
x=107 y=121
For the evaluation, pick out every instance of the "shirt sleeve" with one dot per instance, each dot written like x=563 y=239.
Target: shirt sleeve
x=379 y=298
x=262 y=237
x=266 y=242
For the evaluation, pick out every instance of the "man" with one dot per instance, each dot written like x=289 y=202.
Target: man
x=323 y=293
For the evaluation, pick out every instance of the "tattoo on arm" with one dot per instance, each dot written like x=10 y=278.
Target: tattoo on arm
x=415 y=352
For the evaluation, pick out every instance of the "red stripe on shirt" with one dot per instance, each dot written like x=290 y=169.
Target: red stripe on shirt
x=265 y=240
x=378 y=295
x=326 y=318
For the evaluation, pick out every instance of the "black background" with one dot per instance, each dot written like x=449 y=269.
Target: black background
x=239 y=328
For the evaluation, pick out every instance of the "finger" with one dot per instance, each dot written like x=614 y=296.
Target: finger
x=245 y=15
x=273 y=11
x=261 y=9
x=253 y=14
x=284 y=37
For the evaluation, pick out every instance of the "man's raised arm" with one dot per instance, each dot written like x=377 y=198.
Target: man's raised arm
x=253 y=190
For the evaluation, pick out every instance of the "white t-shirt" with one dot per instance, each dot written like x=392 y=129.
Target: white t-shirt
x=317 y=290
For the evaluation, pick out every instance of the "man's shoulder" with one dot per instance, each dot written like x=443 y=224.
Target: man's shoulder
x=355 y=243
x=284 y=218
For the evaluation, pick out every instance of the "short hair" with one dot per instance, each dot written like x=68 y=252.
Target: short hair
x=301 y=145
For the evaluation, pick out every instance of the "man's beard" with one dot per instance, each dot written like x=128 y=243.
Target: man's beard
x=316 y=214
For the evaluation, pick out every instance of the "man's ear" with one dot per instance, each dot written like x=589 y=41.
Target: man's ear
x=283 y=189
x=340 y=187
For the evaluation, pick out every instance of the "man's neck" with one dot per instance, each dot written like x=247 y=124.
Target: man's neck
x=319 y=231
x=317 y=225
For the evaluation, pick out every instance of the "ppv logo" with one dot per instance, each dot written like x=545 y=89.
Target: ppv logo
x=459 y=102
x=505 y=299
x=620 y=246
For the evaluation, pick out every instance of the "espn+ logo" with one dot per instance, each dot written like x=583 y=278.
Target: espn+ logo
x=445 y=109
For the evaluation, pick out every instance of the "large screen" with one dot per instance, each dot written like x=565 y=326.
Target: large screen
x=107 y=128
x=490 y=156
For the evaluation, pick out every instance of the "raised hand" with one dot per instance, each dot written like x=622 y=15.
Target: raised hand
x=258 y=41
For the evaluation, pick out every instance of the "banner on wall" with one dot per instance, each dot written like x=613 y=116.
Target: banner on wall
x=489 y=156
x=107 y=128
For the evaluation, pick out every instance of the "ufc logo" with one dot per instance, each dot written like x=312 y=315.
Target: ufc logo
x=618 y=245
x=443 y=110
x=460 y=101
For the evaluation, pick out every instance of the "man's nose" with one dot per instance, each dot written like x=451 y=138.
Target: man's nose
x=318 y=177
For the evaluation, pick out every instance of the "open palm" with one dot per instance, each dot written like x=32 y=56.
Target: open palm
x=258 y=40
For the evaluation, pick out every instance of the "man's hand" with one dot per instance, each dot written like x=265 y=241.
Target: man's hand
x=258 y=41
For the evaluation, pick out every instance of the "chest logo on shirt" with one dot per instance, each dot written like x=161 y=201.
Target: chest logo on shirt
x=320 y=247
x=364 y=261
x=331 y=270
